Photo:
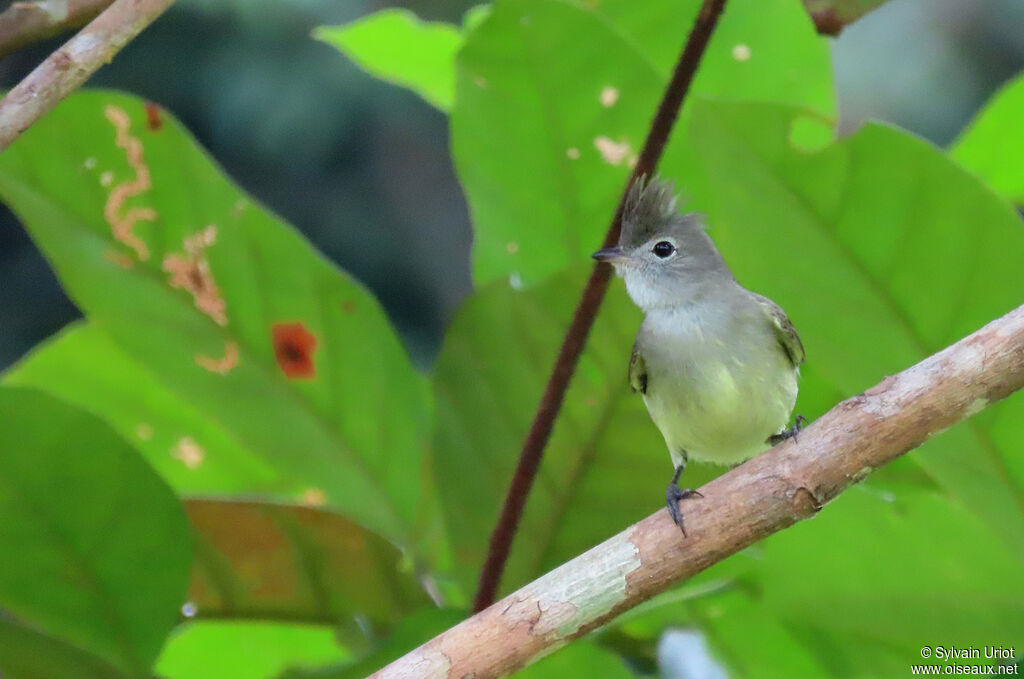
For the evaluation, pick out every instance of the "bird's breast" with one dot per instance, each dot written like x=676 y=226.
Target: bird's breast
x=716 y=390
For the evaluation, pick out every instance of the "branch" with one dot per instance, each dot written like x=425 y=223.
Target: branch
x=73 y=63
x=771 y=492
x=24 y=23
x=586 y=311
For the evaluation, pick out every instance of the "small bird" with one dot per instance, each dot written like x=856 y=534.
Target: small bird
x=716 y=364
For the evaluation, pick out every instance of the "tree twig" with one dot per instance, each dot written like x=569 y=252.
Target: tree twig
x=24 y=23
x=788 y=483
x=73 y=63
x=586 y=311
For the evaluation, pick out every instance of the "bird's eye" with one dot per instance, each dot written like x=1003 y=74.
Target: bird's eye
x=664 y=249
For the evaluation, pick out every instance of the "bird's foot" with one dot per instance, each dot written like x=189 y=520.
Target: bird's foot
x=673 y=494
x=791 y=433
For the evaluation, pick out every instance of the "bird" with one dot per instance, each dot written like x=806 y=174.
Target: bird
x=716 y=364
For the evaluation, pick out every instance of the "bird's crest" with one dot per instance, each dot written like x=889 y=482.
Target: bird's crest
x=651 y=208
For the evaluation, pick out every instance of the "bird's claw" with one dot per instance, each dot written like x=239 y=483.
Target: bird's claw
x=673 y=494
x=791 y=433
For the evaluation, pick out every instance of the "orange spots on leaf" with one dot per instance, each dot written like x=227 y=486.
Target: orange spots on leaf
x=122 y=225
x=191 y=271
x=153 y=120
x=119 y=258
x=615 y=152
x=314 y=497
x=221 y=366
x=293 y=348
x=348 y=306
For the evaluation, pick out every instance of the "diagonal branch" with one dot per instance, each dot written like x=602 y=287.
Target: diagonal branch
x=586 y=311
x=73 y=63
x=789 y=483
x=27 y=22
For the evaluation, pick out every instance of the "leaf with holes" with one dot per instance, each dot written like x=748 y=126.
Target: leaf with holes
x=228 y=308
x=97 y=546
x=543 y=137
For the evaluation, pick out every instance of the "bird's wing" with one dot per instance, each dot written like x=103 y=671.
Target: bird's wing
x=784 y=330
x=637 y=371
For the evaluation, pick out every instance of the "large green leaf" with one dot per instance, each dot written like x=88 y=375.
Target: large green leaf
x=30 y=654
x=760 y=51
x=882 y=251
x=265 y=561
x=229 y=308
x=899 y=568
x=96 y=546
x=993 y=143
x=543 y=134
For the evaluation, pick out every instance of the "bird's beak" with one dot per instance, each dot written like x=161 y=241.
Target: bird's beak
x=611 y=255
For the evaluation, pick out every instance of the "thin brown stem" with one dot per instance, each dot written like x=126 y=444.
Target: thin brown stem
x=586 y=311
x=73 y=63
x=789 y=483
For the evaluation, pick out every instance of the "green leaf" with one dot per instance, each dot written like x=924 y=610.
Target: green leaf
x=993 y=143
x=395 y=46
x=228 y=307
x=194 y=454
x=100 y=543
x=925 y=569
x=29 y=654
x=882 y=251
x=254 y=559
x=543 y=135
x=763 y=51
x=246 y=650
x=281 y=562
x=831 y=16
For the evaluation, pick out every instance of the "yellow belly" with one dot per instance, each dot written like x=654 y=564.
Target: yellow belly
x=722 y=413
